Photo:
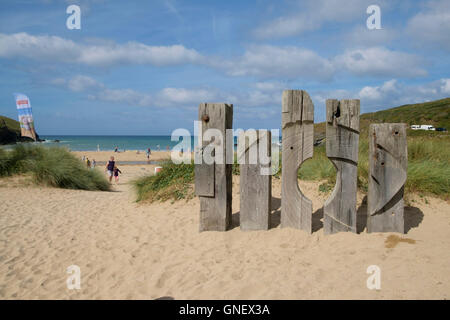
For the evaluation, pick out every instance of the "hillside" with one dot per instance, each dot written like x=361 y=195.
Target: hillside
x=436 y=113
x=10 y=131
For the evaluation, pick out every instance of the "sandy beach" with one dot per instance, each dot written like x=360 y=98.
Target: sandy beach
x=127 y=250
x=130 y=155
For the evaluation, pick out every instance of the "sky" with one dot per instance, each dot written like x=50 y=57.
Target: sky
x=142 y=67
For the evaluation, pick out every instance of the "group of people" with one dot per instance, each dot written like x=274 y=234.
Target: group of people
x=90 y=164
x=111 y=168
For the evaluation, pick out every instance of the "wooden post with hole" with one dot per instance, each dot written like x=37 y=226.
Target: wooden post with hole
x=213 y=180
x=255 y=179
x=297 y=146
x=342 y=139
x=388 y=160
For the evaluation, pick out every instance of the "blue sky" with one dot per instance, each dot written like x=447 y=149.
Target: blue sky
x=142 y=67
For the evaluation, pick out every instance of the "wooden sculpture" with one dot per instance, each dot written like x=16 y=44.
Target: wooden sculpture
x=342 y=138
x=388 y=159
x=213 y=180
x=297 y=146
x=255 y=182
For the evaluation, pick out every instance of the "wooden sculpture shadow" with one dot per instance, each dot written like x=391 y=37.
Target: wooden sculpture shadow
x=235 y=220
x=165 y=298
x=275 y=216
x=317 y=218
x=413 y=218
x=361 y=216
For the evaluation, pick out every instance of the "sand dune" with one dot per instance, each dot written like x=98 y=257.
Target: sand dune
x=144 y=251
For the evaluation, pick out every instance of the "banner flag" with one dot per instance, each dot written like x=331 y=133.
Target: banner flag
x=25 y=116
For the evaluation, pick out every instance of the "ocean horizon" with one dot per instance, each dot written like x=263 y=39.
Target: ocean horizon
x=108 y=143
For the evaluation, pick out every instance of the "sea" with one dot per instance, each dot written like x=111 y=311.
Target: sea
x=108 y=143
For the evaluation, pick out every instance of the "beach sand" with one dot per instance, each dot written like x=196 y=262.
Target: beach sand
x=127 y=250
x=130 y=155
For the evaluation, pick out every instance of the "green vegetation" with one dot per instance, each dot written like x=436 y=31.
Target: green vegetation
x=436 y=113
x=55 y=167
x=10 y=132
x=174 y=182
x=11 y=124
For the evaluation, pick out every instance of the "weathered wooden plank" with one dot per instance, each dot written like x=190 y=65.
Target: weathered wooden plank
x=342 y=139
x=297 y=146
x=215 y=210
x=255 y=188
x=388 y=160
x=204 y=175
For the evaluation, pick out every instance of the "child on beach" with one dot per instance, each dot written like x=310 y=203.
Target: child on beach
x=116 y=174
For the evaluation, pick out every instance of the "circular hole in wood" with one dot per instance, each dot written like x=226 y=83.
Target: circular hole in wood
x=396 y=132
x=292 y=148
x=382 y=163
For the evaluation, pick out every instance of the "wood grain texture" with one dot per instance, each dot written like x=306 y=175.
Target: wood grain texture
x=255 y=188
x=215 y=209
x=297 y=146
x=388 y=160
x=342 y=139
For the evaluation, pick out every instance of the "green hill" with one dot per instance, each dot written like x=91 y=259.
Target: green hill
x=436 y=113
x=10 y=131
x=11 y=124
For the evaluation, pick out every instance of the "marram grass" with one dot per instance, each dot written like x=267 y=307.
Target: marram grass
x=54 y=166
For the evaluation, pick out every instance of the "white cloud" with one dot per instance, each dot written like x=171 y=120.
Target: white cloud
x=445 y=86
x=56 y=49
x=361 y=36
x=258 y=95
x=393 y=93
x=312 y=15
x=267 y=61
x=380 y=62
x=81 y=83
x=432 y=26
x=173 y=96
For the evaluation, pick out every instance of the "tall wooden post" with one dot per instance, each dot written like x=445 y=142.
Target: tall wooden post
x=388 y=160
x=297 y=145
x=255 y=180
x=342 y=149
x=213 y=180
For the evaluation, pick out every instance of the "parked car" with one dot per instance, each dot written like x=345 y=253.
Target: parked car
x=441 y=129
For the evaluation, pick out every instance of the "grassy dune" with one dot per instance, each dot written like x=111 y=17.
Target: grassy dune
x=55 y=167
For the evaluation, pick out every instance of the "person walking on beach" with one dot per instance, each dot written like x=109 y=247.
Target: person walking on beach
x=110 y=168
x=149 y=152
x=88 y=163
x=116 y=174
x=116 y=149
x=93 y=164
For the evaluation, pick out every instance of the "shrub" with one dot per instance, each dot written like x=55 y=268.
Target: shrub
x=52 y=166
